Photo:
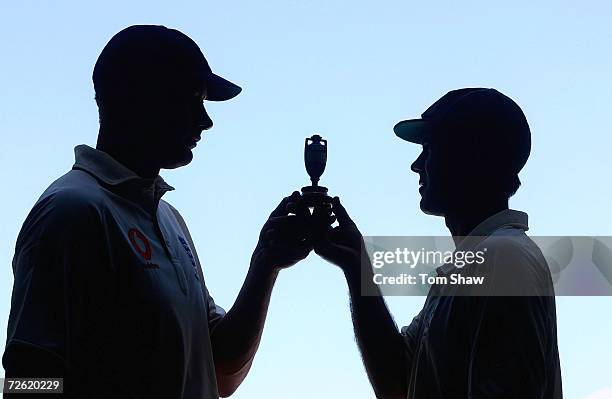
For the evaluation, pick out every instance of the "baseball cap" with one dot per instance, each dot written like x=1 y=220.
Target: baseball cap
x=479 y=116
x=142 y=56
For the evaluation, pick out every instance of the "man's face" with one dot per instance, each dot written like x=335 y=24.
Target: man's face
x=177 y=120
x=440 y=177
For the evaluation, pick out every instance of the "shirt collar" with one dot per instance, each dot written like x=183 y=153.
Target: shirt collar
x=112 y=172
x=500 y=220
x=507 y=218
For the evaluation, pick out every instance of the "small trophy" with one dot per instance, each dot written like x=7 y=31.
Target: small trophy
x=315 y=158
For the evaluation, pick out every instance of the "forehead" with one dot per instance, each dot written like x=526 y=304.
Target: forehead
x=191 y=84
x=431 y=139
x=444 y=135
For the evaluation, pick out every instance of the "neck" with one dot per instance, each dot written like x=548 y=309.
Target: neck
x=129 y=154
x=462 y=222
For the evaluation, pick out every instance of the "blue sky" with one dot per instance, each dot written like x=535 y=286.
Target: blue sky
x=348 y=70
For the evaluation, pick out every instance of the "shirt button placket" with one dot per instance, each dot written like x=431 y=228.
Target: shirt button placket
x=180 y=275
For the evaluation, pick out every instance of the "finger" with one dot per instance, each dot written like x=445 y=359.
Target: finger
x=300 y=208
x=323 y=218
x=322 y=209
x=287 y=221
x=304 y=249
x=322 y=212
x=325 y=205
x=291 y=207
x=341 y=214
x=281 y=209
x=289 y=228
x=276 y=221
x=282 y=246
x=297 y=251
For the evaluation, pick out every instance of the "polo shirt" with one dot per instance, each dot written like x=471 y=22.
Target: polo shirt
x=107 y=280
x=486 y=344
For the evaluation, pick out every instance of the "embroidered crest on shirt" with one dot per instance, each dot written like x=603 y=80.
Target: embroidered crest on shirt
x=190 y=254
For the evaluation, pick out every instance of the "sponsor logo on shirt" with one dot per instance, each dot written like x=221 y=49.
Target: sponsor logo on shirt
x=143 y=247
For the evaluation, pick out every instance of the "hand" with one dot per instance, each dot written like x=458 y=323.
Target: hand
x=340 y=245
x=284 y=239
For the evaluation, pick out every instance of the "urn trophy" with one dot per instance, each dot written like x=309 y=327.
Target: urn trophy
x=315 y=158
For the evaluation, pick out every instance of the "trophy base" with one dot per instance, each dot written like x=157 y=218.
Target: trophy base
x=315 y=195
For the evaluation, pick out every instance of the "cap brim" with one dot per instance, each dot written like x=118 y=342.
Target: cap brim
x=412 y=130
x=220 y=89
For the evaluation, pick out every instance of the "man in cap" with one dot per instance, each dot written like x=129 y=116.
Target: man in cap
x=108 y=291
x=500 y=342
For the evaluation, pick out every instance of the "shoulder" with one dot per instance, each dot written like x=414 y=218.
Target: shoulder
x=516 y=262
x=72 y=202
x=76 y=188
x=169 y=207
x=507 y=251
x=511 y=242
x=172 y=213
x=173 y=216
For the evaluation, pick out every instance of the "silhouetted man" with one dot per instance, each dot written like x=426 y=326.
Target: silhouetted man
x=108 y=290
x=475 y=141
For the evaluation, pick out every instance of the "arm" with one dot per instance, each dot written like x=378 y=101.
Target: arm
x=383 y=350
x=235 y=338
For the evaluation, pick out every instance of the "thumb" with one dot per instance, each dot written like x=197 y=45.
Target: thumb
x=341 y=214
x=281 y=209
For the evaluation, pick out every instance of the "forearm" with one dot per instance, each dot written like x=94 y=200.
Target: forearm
x=236 y=337
x=382 y=348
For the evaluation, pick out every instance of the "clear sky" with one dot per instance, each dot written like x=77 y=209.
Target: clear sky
x=348 y=70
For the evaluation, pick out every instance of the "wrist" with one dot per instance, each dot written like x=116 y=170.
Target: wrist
x=352 y=272
x=359 y=275
x=262 y=266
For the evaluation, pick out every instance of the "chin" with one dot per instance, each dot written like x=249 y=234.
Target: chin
x=432 y=211
x=430 y=208
x=181 y=160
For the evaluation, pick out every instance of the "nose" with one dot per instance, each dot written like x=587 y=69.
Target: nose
x=417 y=165
x=204 y=121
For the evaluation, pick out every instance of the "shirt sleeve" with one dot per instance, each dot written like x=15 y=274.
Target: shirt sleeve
x=215 y=312
x=409 y=334
x=514 y=347
x=62 y=298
